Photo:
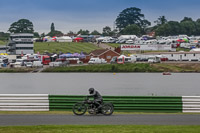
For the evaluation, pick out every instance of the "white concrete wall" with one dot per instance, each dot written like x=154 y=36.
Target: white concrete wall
x=191 y=104
x=18 y=52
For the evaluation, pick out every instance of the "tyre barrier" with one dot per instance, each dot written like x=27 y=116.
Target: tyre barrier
x=45 y=102
x=24 y=102
x=122 y=103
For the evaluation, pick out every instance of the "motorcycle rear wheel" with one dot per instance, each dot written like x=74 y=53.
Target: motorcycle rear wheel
x=79 y=109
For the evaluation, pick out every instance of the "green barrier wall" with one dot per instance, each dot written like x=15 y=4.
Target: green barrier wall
x=122 y=103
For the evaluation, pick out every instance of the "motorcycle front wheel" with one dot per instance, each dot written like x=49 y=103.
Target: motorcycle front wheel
x=79 y=109
x=107 y=109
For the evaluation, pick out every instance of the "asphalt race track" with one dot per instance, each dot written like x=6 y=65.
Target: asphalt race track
x=127 y=119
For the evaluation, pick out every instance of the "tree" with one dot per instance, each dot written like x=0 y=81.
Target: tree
x=188 y=27
x=130 y=16
x=43 y=35
x=83 y=32
x=106 y=31
x=71 y=33
x=21 y=26
x=186 y=19
x=54 y=32
x=95 y=32
x=170 y=28
x=36 y=35
x=197 y=27
x=52 y=27
x=132 y=30
x=161 y=20
x=163 y=30
x=175 y=28
x=4 y=36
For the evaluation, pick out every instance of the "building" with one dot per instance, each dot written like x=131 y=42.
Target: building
x=20 y=43
x=106 y=54
x=147 y=47
x=175 y=56
x=3 y=49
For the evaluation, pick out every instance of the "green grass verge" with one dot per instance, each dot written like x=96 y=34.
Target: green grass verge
x=113 y=44
x=100 y=129
x=183 y=49
x=35 y=112
x=176 y=67
x=132 y=67
x=3 y=42
x=139 y=67
x=16 y=70
x=65 y=47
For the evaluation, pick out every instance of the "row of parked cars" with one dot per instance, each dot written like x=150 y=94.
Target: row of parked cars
x=26 y=63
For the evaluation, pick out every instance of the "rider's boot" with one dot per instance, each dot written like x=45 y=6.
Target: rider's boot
x=99 y=108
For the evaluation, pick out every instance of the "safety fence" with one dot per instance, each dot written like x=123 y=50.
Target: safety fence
x=122 y=103
x=45 y=102
x=24 y=102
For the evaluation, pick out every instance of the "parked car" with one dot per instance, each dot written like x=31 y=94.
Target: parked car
x=59 y=62
x=29 y=64
x=129 y=42
x=122 y=41
x=55 y=64
x=37 y=64
x=19 y=62
x=97 y=61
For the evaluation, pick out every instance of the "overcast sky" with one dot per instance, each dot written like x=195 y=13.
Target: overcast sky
x=73 y=15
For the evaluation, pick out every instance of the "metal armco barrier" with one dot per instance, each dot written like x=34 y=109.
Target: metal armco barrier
x=24 y=102
x=45 y=102
x=191 y=104
x=122 y=103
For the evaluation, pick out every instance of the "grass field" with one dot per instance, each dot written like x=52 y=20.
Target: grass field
x=113 y=44
x=65 y=47
x=3 y=43
x=100 y=129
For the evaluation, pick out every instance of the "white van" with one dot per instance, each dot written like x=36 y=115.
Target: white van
x=37 y=64
x=154 y=59
x=129 y=42
x=19 y=63
x=97 y=61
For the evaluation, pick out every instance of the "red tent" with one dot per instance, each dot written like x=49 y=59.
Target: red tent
x=180 y=40
x=78 y=39
x=54 y=38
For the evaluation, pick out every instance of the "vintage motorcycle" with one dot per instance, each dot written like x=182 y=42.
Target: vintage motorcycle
x=81 y=108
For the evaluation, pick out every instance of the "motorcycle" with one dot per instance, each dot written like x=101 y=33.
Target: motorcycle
x=81 y=108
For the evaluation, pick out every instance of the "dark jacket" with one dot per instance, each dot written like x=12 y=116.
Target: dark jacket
x=96 y=95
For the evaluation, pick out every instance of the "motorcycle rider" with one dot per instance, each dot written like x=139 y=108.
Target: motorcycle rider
x=97 y=97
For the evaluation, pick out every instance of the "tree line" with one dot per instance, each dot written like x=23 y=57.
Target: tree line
x=131 y=21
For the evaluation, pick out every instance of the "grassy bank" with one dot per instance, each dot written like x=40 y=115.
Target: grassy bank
x=65 y=47
x=177 y=67
x=137 y=67
x=15 y=70
x=113 y=44
x=100 y=129
x=3 y=42
x=105 y=68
